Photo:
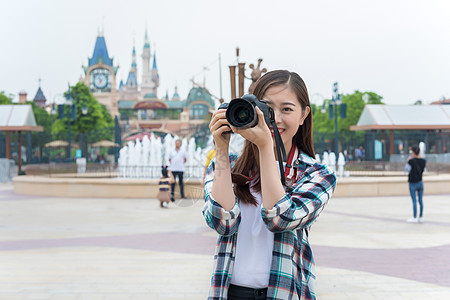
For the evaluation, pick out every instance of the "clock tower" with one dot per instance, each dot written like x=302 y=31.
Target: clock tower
x=100 y=76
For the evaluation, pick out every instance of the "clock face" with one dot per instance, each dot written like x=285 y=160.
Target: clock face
x=100 y=81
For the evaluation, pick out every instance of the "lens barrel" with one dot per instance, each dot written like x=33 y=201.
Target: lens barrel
x=241 y=113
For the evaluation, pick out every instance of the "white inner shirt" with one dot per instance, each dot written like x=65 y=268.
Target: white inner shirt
x=254 y=247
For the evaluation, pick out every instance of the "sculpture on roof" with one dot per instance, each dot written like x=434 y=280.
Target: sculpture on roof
x=256 y=74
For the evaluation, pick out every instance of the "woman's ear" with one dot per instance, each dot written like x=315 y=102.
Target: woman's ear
x=305 y=114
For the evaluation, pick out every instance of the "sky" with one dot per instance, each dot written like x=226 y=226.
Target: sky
x=399 y=49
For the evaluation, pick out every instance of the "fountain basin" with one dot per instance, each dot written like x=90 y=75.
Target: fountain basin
x=148 y=188
x=98 y=187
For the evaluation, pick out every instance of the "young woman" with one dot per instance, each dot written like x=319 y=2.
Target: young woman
x=263 y=250
x=417 y=166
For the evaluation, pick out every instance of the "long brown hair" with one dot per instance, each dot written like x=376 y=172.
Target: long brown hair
x=248 y=162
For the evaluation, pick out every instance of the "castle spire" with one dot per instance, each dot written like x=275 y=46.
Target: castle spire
x=154 y=62
x=176 y=96
x=147 y=84
x=133 y=58
x=132 y=78
x=155 y=75
x=146 y=41
x=100 y=54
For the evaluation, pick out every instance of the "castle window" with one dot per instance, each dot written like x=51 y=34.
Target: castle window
x=198 y=111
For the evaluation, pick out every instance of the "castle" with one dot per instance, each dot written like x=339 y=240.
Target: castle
x=137 y=103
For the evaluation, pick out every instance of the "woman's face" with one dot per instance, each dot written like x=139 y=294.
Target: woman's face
x=289 y=114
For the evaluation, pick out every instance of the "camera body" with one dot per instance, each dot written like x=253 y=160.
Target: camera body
x=241 y=112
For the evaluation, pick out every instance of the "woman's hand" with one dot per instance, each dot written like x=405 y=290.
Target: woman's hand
x=218 y=126
x=259 y=135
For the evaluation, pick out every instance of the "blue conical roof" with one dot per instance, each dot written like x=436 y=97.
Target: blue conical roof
x=100 y=53
x=131 y=80
x=154 y=62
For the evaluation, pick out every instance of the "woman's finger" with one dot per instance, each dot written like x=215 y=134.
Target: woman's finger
x=260 y=115
x=222 y=129
x=220 y=112
x=218 y=115
x=218 y=124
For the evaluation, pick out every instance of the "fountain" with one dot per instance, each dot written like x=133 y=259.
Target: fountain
x=332 y=161
x=329 y=159
x=143 y=159
x=341 y=164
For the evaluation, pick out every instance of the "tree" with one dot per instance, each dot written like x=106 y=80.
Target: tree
x=324 y=126
x=43 y=118
x=46 y=120
x=4 y=99
x=97 y=117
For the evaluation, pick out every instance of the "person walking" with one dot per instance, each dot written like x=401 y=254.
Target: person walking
x=417 y=166
x=177 y=159
x=263 y=222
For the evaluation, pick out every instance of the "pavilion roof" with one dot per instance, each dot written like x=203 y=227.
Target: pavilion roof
x=403 y=117
x=18 y=118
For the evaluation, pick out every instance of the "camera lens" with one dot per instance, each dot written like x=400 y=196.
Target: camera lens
x=241 y=113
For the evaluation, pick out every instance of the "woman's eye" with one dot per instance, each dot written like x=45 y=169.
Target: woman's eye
x=287 y=109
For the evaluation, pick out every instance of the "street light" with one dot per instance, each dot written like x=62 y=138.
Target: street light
x=72 y=115
x=84 y=109
x=333 y=112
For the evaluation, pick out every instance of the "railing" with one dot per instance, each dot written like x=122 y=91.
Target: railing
x=107 y=170
x=384 y=168
x=112 y=170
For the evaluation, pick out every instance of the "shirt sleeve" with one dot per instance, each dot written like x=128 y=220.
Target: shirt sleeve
x=222 y=221
x=300 y=207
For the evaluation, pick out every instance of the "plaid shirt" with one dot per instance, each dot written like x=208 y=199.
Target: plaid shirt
x=292 y=271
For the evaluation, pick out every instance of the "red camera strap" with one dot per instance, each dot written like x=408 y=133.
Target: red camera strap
x=290 y=171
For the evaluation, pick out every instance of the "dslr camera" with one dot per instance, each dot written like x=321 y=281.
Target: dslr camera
x=241 y=112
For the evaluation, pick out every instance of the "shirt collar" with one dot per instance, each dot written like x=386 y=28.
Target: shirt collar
x=307 y=159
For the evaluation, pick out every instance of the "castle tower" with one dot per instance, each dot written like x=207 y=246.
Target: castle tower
x=131 y=83
x=147 y=84
x=155 y=76
x=39 y=98
x=129 y=91
x=176 y=96
x=100 y=76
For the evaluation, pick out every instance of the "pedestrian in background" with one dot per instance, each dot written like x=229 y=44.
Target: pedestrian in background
x=177 y=159
x=417 y=166
x=163 y=193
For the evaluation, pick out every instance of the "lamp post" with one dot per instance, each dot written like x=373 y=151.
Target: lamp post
x=72 y=115
x=333 y=113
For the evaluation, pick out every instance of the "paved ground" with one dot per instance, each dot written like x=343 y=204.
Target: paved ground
x=65 y=248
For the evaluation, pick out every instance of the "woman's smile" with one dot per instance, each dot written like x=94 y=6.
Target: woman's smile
x=280 y=130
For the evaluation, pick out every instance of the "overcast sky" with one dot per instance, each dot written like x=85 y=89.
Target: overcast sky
x=399 y=49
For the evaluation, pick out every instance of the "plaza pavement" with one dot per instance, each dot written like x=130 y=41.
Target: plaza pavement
x=68 y=248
